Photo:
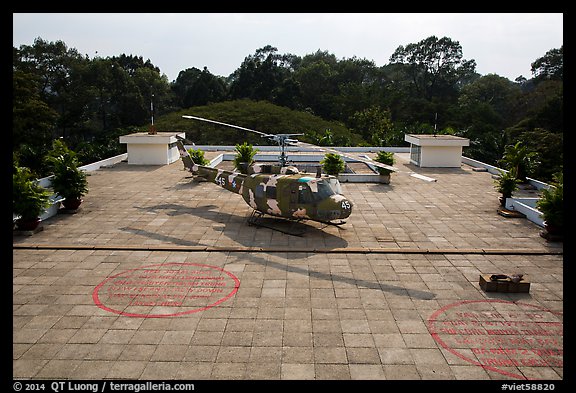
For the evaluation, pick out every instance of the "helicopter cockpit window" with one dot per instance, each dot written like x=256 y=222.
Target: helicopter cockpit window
x=304 y=194
x=324 y=191
x=271 y=192
x=259 y=192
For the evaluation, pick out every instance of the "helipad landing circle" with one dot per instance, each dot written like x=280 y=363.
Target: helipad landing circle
x=165 y=290
x=499 y=335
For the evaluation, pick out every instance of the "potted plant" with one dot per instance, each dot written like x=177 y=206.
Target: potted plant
x=519 y=159
x=29 y=200
x=387 y=158
x=551 y=205
x=244 y=157
x=197 y=156
x=333 y=164
x=506 y=184
x=69 y=181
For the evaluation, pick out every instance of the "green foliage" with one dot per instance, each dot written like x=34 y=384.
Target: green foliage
x=29 y=200
x=197 y=156
x=506 y=183
x=549 y=66
x=435 y=66
x=387 y=158
x=69 y=180
x=256 y=115
x=194 y=87
x=374 y=124
x=333 y=164
x=244 y=157
x=551 y=202
x=520 y=160
x=58 y=92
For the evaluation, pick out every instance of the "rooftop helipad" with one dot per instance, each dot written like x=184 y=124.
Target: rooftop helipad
x=160 y=277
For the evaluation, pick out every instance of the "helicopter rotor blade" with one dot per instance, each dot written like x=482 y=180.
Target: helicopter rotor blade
x=228 y=125
x=366 y=161
x=285 y=139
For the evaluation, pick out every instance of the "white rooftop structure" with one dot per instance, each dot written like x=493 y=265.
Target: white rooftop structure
x=436 y=151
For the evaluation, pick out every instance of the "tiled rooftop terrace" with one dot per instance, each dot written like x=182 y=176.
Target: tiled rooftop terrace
x=367 y=300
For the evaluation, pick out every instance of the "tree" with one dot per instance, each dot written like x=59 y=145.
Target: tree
x=317 y=88
x=434 y=66
x=374 y=124
x=194 y=87
x=32 y=119
x=550 y=66
x=264 y=76
x=518 y=159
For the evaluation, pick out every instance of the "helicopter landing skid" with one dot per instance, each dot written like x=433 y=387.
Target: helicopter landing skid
x=289 y=227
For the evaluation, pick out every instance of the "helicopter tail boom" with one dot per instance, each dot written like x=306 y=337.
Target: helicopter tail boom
x=186 y=159
x=230 y=181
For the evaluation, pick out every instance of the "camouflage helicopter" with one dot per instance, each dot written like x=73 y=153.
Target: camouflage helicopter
x=282 y=191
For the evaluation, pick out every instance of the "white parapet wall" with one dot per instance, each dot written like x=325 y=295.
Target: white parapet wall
x=526 y=206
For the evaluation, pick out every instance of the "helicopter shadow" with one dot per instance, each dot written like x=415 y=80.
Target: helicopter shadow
x=207 y=212
x=381 y=188
x=237 y=228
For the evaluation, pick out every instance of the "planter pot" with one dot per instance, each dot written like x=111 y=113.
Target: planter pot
x=554 y=230
x=502 y=200
x=28 y=224
x=385 y=179
x=553 y=233
x=71 y=204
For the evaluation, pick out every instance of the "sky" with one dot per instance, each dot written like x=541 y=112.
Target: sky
x=505 y=44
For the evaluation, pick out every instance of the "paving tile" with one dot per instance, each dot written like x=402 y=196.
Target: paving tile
x=58 y=369
x=102 y=351
x=435 y=371
x=332 y=371
x=168 y=353
x=352 y=340
x=328 y=340
x=330 y=355
x=93 y=369
x=229 y=371
x=297 y=355
x=27 y=368
x=367 y=372
x=363 y=355
x=233 y=354
x=160 y=370
x=397 y=356
x=266 y=354
x=275 y=338
x=264 y=371
x=297 y=339
x=297 y=371
x=191 y=371
x=137 y=352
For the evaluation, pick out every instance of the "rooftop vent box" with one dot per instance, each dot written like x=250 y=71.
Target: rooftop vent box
x=152 y=149
x=436 y=151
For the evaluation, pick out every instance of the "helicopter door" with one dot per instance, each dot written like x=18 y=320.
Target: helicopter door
x=301 y=198
x=293 y=196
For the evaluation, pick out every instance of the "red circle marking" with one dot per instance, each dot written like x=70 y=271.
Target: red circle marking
x=99 y=303
x=433 y=331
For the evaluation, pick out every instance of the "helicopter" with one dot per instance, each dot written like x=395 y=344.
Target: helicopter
x=282 y=191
